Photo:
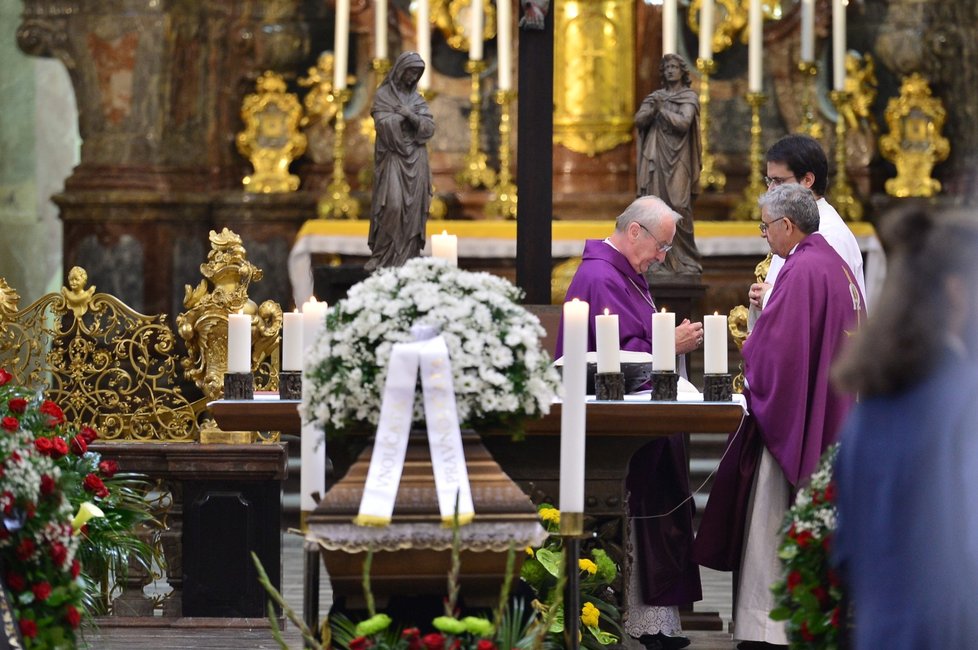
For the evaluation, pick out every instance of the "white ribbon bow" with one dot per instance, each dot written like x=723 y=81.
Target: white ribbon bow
x=394 y=427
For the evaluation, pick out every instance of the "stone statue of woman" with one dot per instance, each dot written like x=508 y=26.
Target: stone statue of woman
x=402 y=177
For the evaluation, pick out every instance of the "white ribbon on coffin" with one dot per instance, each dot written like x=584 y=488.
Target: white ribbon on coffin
x=394 y=428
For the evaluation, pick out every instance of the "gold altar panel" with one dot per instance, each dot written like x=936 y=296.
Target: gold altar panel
x=594 y=72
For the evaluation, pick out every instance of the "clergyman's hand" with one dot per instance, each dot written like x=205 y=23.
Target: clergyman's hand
x=689 y=336
x=756 y=294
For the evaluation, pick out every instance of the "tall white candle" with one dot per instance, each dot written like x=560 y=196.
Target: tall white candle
x=715 y=344
x=670 y=20
x=504 y=43
x=423 y=29
x=341 y=44
x=292 y=341
x=380 y=29
x=808 y=30
x=445 y=246
x=572 y=416
x=838 y=45
x=239 y=343
x=664 y=341
x=755 y=46
x=706 y=30
x=476 y=27
x=606 y=337
x=313 y=321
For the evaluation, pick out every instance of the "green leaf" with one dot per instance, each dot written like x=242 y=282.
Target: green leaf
x=550 y=560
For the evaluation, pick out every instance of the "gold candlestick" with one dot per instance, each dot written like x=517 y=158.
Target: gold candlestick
x=809 y=125
x=475 y=173
x=840 y=194
x=747 y=208
x=437 y=209
x=338 y=203
x=710 y=176
x=502 y=203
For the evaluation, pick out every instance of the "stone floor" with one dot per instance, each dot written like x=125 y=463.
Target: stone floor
x=245 y=634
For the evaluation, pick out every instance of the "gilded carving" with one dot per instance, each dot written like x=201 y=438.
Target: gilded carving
x=319 y=103
x=914 y=143
x=452 y=19
x=594 y=68
x=271 y=139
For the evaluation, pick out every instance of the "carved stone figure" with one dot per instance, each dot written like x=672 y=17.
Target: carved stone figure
x=670 y=157
x=402 y=185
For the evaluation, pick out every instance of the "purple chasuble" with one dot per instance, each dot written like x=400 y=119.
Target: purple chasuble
x=794 y=411
x=658 y=473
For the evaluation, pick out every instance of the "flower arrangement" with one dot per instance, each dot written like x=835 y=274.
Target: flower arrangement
x=498 y=365
x=542 y=569
x=47 y=475
x=809 y=596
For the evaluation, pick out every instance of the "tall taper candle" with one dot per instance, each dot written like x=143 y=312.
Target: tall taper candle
x=341 y=44
x=423 y=29
x=807 y=30
x=504 y=43
x=445 y=246
x=606 y=337
x=476 y=28
x=239 y=343
x=572 y=415
x=291 y=341
x=715 y=344
x=706 y=30
x=380 y=29
x=313 y=321
x=670 y=20
x=838 y=45
x=664 y=341
x=755 y=46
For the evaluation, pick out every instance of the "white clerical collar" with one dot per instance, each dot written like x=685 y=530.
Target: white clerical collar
x=607 y=240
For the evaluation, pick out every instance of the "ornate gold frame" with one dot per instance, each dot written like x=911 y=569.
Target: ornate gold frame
x=914 y=143
x=271 y=139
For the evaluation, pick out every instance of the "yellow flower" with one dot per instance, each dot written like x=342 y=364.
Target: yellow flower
x=587 y=565
x=590 y=615
x=551 y=515
x=86 y=511
x=529 y=551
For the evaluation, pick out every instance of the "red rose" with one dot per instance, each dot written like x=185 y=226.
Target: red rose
x=433 y=641
x=94 y=484
x=41 y=590
x=10 y=423
x=47 y=484
x=830 y=491
x=78 y=445
x=59 y=447
x=794 y=579
x=804 y=538
x=16 y=582
x=72 y=616
x=827 y=543
x=835 y=618
x=17 y=405
x=59 y=554
x=75 y=567
x=89 y=434
x=805 y=634
x=108 y=468
x=360 y=643
x=28 y=628
x=25 y=549
x=413 y=637
x=821 y=594
x=5 y=376
x=55 y=415
x=816 y=497
x=44 y=445
x=485 y=644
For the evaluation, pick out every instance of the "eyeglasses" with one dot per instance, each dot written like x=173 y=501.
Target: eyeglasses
x=777 y=180
x=764 y=226
x=663 y=248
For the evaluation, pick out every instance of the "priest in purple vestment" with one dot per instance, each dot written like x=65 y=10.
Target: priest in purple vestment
x=612 y=276
x=795 y=413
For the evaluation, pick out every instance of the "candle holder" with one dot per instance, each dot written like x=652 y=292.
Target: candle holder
x=572 y=588
x=502 y=203
x=475 y=173
x=290 y=384
x=665 y=386
x=748 y=209
x=809 y=125
x=239 y=385
x=710 y=176
x=338 y=204
x=717 y=388
x=437 y=209
x=840 y=194
x=609 y=386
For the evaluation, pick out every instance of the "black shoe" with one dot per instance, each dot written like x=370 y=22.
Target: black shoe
x=760 y=645
x=660 y=641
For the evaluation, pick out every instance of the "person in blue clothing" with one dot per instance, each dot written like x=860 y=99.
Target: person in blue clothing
x=907 y=470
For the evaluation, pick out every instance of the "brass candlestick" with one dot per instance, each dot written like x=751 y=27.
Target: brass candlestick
x=840 y=194
x=338 y=204
x=437 y=209
x=475 y=173
x=809 y=125
x=502 y=203
x=710 y=176
x=747 y=208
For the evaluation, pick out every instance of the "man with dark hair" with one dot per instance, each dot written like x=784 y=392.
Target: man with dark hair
x=794 y=412
x=799 y=159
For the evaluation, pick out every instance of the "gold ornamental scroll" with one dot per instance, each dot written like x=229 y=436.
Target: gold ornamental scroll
x=594 y=74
